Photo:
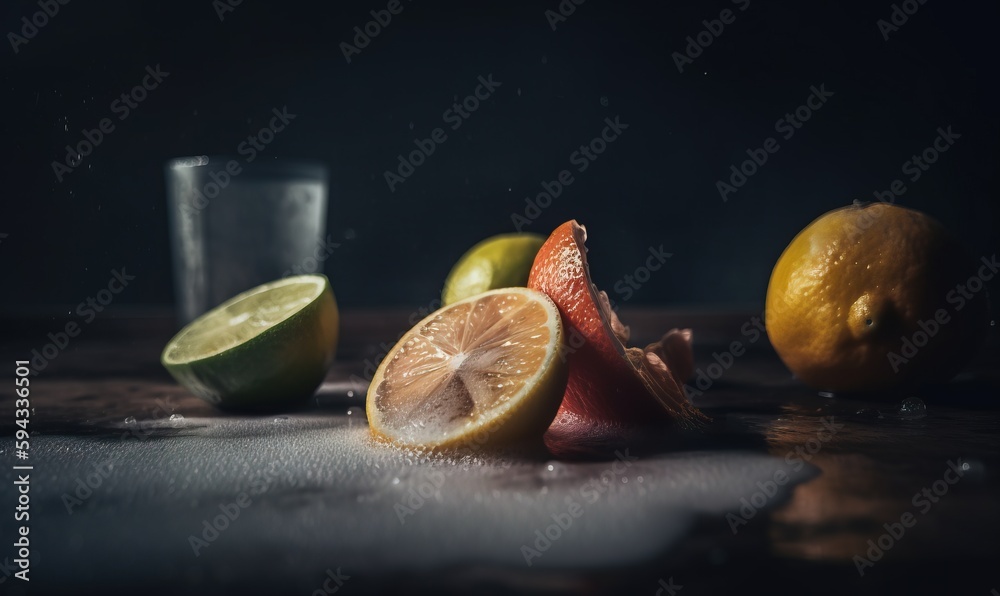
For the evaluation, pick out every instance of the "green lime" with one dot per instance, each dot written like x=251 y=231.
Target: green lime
x=267 y=347
x=502 y=261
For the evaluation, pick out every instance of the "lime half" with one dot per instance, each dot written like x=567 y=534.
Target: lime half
x=502 y=261
x=267 y=347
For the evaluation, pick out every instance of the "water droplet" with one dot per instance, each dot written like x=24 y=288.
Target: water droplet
x=395 y=480
x=176 y=417
x=350 y=393
x=354 y=413
x=555 y=469
x=912 y=408
x=130 y=420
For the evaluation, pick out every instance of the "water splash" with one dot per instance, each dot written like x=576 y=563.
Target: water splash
x=912 y=408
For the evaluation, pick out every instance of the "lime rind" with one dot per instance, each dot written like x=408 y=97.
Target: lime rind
x=500 y=261
x=243 y=317
x=267 y=347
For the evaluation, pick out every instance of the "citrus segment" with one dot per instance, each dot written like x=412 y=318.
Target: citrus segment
x=607 y=380
x=486 y=367
x=266 y=347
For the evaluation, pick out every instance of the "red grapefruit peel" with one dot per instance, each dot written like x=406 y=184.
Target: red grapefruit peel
x=608 y=382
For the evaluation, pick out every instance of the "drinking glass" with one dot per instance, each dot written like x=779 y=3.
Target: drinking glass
x=235 y=225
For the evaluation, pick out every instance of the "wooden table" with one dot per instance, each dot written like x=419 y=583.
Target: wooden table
x=780 y=492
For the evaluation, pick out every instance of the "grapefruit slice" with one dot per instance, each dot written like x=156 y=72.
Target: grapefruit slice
x=608 y=382
x=486 y=369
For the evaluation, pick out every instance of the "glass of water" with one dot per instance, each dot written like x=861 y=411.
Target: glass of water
x=235 y=225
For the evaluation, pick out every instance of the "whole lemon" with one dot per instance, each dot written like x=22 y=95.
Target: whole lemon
x=873 y=297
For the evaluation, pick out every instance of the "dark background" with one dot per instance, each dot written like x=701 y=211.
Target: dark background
x=654 y=186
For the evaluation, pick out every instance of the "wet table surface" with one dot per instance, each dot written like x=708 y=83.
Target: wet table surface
x=137 y=485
